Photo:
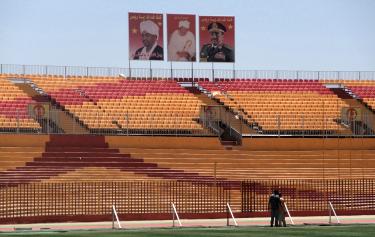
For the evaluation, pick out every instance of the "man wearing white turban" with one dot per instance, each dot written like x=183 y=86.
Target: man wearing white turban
x=181 y=45
x=150 y=50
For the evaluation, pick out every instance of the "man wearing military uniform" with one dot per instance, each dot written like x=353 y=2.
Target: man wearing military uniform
x=216 y=51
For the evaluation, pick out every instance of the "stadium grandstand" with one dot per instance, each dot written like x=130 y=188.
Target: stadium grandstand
x=77 y=140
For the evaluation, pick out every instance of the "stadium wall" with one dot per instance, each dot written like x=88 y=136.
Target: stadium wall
x=162 y=142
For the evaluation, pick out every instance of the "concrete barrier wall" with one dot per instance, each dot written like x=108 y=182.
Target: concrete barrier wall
x=300 y=144
x=23 y=140
x=163 y=142
x=264 y=144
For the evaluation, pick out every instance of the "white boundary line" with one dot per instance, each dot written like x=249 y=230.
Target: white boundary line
x=175 y=213
x=231 y=213
x=115 y=213
x=334 y=213
x=287 y=211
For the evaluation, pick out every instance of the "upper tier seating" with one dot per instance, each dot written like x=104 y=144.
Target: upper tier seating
x=66 y=92
x=364 y=89
x=14 y=108
x=281 y=104
x=148 y=104
x=113 y=102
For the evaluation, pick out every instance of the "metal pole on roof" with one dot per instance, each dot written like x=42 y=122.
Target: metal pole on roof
x=1 y=68
x=234 y=71
x=192 y=73
x=213 y=72
x=130 y=70
x=171 y=70
x=150 y=70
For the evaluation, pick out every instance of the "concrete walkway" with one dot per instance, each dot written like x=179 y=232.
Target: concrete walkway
x=314 y=220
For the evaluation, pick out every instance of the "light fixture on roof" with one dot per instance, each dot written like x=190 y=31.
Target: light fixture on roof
x=122 y=75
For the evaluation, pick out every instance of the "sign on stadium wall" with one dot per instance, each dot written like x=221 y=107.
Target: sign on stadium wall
x=38 y=110
x=146 y=36
x=216 y=41
x=181 y=37
x=350 y=114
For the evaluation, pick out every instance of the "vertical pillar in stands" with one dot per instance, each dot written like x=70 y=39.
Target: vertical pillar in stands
x=18 y=121
x=278 y=125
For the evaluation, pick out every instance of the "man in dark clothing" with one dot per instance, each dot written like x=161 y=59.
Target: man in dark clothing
x=216 y=51
x=273 y=206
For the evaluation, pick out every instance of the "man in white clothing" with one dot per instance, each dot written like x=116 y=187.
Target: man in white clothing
x=150 y=50
x=181 y=45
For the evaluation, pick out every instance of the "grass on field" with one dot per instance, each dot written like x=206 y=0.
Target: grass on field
x=305 y=231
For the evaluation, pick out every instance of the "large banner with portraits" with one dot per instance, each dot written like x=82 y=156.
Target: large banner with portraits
x=181 y=37
x=216 y=41
x=146 y=36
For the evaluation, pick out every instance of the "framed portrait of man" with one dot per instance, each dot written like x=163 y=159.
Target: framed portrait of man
x=181 y=37
x=216 y=39
x=146 y=36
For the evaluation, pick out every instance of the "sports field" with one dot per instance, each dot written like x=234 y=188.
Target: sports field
x=305 y=231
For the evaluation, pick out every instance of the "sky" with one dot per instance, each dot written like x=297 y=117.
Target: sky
x=323 y=35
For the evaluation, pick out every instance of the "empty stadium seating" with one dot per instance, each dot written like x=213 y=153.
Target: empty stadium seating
x=78 y=162
x=68 y=175
x=66 y=92
x=148 y=104
x=113 y=103
x=365 y=90
x=14 y=109
x=65 y=154
x=281 y=104
x=162 y=106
